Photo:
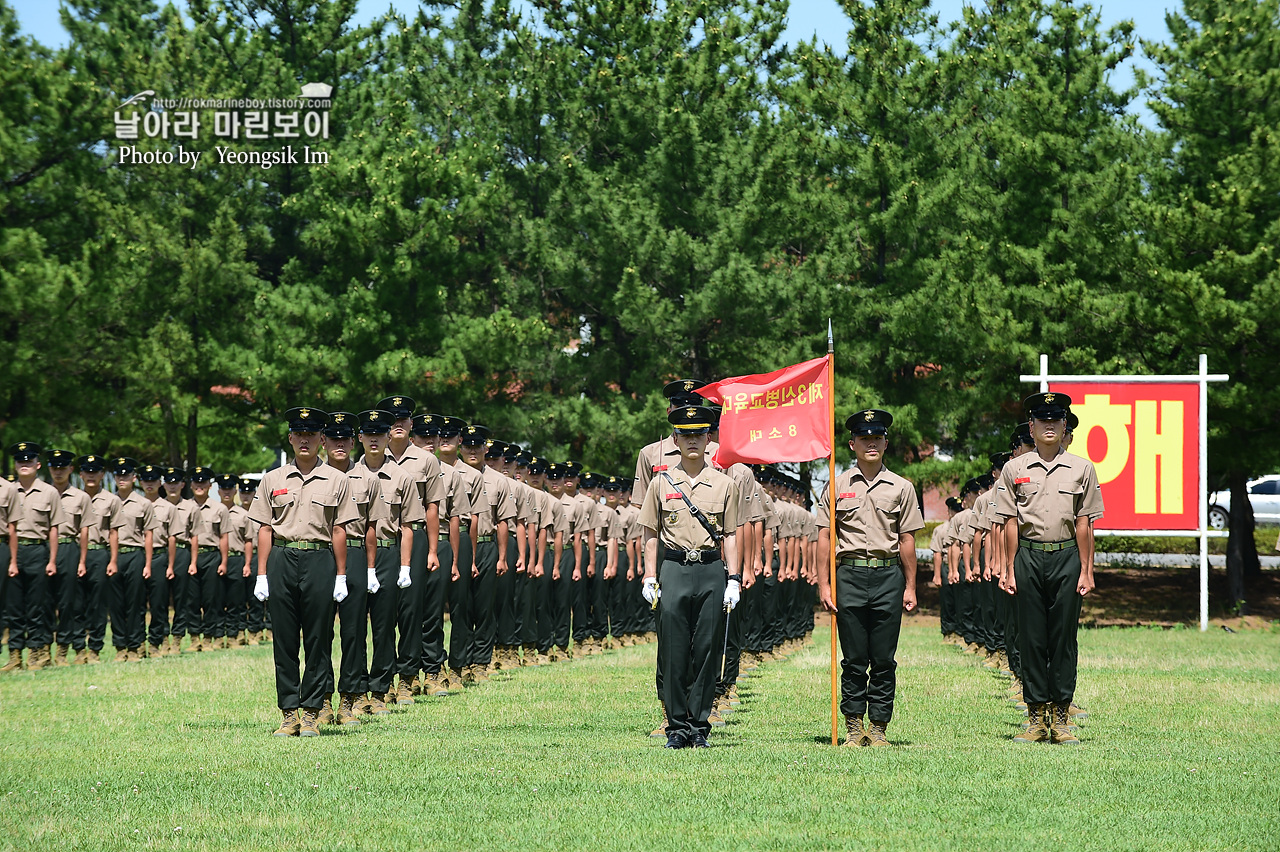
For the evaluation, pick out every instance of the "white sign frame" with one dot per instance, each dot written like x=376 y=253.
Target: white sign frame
x=1204 y=533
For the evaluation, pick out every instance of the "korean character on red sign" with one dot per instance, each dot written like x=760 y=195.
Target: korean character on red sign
x=815 y=391
x=757 y=400
x=740 y=401
x=801 y=393
x=186 y=124
x=772 y=398
x=774 y=433
x=755 y=435
x=257 y=124
x=788 y=397
x=286 y=125
x=226 y=123
x=316 y=124
x=127 y=128
x=156 y=124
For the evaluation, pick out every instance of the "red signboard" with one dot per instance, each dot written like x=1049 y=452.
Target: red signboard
x=1143 y=440
x=772 y=417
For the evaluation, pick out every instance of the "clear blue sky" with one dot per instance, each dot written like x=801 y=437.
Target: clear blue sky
x=822 y=18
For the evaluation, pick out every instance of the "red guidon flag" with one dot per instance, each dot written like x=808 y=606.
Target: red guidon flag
x=774 y=417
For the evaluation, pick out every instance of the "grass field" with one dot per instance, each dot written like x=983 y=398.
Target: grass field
x=1182 y=751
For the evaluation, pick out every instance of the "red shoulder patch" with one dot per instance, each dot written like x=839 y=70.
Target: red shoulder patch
x=675 y=496
x=279 y=491
x=844 y=494
x=1022 y=480
x=659 y=468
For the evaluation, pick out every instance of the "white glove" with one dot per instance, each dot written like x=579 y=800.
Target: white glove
x=650 y=590
x=732 y=594
x=374 y=585
x=404 y=582
x=260 y=588
x=340 y=588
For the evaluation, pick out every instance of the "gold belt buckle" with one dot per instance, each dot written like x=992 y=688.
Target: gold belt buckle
x=693 y=555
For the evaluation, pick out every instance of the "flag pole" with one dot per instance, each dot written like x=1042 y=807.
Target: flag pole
x=831 y=525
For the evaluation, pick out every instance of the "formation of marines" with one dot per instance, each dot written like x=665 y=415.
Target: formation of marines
x=537 y=562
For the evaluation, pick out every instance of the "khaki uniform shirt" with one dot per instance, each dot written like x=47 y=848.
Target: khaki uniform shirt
x=496 y=503
x=749 y=508
x=571 y=510
x=139 y=516
x=214 y=521
x=399 y=500
x=526 y=506
x=631 y=522
x=41 y=509
x=940 y=540
x=870 y=515
x=470 y=486
x=301 y=507
x=164 y=517
x=810 y=527
x=457 y=503
x=9 y=507
x=657 y=457
x=240 y=530
x=665 y=512
x=544 y=509
x=772 y=519
x=1047 y=497
x=424 y=469
x=560 y=520
x=186 y=521
x=104 y=516
x=962 y=527
x=363 y=489
x=75 y=509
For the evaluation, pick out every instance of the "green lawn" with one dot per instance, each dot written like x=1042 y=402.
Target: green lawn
x=1182 y=752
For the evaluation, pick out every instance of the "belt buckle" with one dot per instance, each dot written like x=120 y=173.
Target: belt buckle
x=692 y=555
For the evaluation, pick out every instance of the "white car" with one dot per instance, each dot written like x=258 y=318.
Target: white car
x=1264 y=495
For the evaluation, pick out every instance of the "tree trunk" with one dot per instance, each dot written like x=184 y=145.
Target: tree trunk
x=1242 y=551
x=191 y=436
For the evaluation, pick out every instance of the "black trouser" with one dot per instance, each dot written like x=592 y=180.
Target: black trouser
x=869 y=621
x=231 y=595
x=1048 y=618
x=27 y=605
x=353 y=625
x=506 y=592
x=437 y=593
x=484 y=616
x=63 y=591
x=204 y=603
x=619 y=610
x=689 y=643
x=732 y=651
x=530 y=596
x=1010 y=612
x=598 y=589
x=946 y=603
x=768 y=606
x=301 y=602
x=968 y=610
x=384 y=609
x=556 y=611
x=411 y=603
x=157 y=593
x=180 y=589
x=128 y=601
x=460 y=605
x=91 y=602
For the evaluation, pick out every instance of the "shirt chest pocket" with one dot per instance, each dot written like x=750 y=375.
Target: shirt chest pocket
x=886 y=506
x=1069 y=497
x=848 y=504
x=1026 y=492
x=281 y=505
x=359 y=492
x=714 y=510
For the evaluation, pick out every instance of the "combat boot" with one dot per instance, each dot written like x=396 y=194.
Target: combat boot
x=434 y=685
x=255 y=638
x=289 y=726
x=1037 y=725
x=15 y=661
x=35 y=662
x=347 y=710
x=93 y=658
x=378 y=704
x=404 y=692
x=310 y=721
x=734 y=700
x=324 y=715
x=1060 y=730
x=855 y=735
x=531 y=656
x=61 y=658
x=82 y=657
x=122 y=655
x=876 y=737
x=196 y=645
x=542 y=660
x=714 y=719
x=1076 y=713
x=135 y=655
x=453 y=682
x=154 y=650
